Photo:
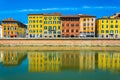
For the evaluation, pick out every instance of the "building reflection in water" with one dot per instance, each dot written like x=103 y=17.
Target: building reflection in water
x=53 y=61
x=1 y=57
x=78 y=60
x=109 y=61
x=13 y=57
x=56 y=61
x=46 y=61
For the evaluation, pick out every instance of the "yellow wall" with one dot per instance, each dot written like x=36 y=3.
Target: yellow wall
x=108 y=22
x=40 y=21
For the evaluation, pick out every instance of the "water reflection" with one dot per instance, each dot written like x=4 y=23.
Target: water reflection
x=56 y=61
x=44 y=61
x=109 y=60
x=12 y=58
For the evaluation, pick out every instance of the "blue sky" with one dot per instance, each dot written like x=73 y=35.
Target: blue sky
x=18 y=9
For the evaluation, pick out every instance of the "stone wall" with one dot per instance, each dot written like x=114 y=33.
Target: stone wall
x=61 y=42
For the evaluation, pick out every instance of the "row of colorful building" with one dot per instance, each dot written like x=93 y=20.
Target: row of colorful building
x=55 y=61
x=55 y=25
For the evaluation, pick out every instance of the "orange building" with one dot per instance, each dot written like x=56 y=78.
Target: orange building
x=87 y=26
x=12 y=28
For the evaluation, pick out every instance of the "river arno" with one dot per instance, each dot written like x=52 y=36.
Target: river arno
x=60 y=65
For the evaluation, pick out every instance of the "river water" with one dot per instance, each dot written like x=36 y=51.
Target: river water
x=60 y=65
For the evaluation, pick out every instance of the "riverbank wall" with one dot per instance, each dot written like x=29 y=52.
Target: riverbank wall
x=60 y=42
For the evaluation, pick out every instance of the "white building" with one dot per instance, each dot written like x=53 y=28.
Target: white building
x=0 y=31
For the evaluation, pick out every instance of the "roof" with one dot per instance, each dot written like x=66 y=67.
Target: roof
x=48 y=14
x=9 y=20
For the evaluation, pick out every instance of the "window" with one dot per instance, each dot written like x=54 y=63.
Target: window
x=67 y=24
x=111 y=31
x=77 y=25
x=111 y=26
x=58 y=22
x=40 y=21
x=45 y=27
x=36 y=26
x=40 y=31
x=58 y=27
x=116 y=21
x=84 y=19
x=102 y=26
x=72 y=30
x=62 y=24
x=84 y=24
x=54 y=22
x=76 y=30
x=106 y=26
x=111 y=21
x=107 y=21
x=33 y=21
x=67 y=30
x=107 y=31
x=45 y=22
x=36 y=21
x=102 y=31
x=4 y=27
x=102 y=21
x=40 y=26
x=88 y=19
x=54 y=27
x=116 y=26
x=91 y=24
x=92 y=19
x=88 y=24
x=116 y=31
x=50 y=28
x=72 y=25
x=84 y=28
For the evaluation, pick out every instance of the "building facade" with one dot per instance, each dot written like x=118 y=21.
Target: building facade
x=87 y=25
x=78 y=26
x=70 y=26
x=108 y=27
x=12 y=28
x=0 y=31
x=44 y=25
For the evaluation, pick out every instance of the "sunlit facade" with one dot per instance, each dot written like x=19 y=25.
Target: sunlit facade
x=44 y=25
x=108 y=27
x=12 y=28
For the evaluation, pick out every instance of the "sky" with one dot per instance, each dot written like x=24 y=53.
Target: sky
x=19 y=9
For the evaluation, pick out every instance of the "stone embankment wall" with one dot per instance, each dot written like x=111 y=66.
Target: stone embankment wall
x=60 y=42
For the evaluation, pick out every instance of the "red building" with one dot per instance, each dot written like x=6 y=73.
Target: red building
x=70 y=26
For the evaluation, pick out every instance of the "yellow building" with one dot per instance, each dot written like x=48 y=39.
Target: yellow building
x=44 y=61
x=109 y=61
x=108 y=27
x=12 y=28
x=13 y=57
x=44 y=25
